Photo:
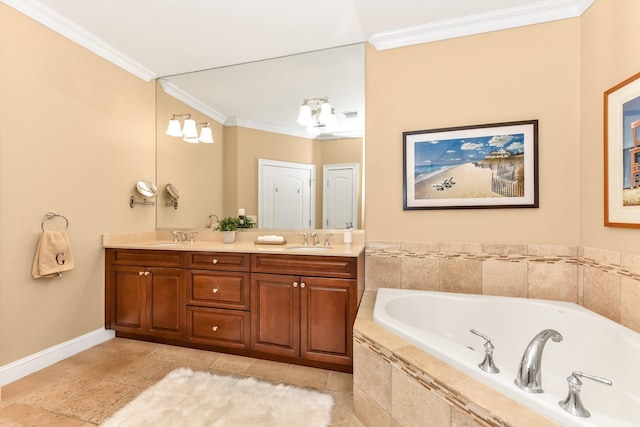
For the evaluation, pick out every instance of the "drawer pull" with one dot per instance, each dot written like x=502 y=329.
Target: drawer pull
x=215 y=261
x=215 y=328
x=302 y=285
x=295 y=284
x=215 y=290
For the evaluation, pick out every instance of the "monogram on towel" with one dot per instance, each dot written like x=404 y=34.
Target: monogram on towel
x=53 y=255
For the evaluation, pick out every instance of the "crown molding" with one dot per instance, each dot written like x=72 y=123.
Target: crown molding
x=544 y=11
x=47 y=17
x=192 y=101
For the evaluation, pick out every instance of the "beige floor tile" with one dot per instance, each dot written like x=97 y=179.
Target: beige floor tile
x=268 y=370
x=232 y=364
x=85 y=389
x=304 y=376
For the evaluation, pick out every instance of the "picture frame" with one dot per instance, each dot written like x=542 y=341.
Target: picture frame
x=471 y=167
x=622 y=154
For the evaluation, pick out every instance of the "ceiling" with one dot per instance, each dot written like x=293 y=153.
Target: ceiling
x=168 y=37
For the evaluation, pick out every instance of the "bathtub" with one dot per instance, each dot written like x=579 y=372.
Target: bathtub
x=439 y=323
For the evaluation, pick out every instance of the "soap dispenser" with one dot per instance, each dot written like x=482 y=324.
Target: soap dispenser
x=347 y=234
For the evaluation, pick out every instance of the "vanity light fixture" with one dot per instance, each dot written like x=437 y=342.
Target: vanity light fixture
x=317 y=115
x=189 y=131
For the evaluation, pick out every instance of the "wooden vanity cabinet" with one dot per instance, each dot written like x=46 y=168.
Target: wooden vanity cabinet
x=144 y=300
x=293 y=308
x=218 y=300
x=307 y=316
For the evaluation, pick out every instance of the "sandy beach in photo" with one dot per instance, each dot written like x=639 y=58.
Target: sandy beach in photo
x=470 y=182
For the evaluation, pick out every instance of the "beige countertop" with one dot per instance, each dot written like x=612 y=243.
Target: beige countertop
x=210 y=241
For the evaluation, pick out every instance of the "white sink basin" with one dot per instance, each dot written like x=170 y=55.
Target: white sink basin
x=166 y=244
x=309 y=248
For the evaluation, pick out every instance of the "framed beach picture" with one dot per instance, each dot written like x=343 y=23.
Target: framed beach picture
x=483 y=166
x=622 y=154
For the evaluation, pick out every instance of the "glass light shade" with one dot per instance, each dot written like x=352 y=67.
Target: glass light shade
x=304 y=117
x=313 y=130
x=174 y=128
x=206 y=136
x=325 y=113
x=189 y=129
x=332 y=123
x=191 y=140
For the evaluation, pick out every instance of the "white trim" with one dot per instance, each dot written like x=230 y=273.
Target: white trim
x=192 y=101
x=536 y=13
x=61 y=25
x=30 y=364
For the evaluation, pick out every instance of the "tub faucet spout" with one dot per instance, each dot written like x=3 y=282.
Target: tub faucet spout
x=529 y=376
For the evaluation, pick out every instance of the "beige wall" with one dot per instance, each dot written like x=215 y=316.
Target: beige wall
x=194 y=169
x=76 y=132
x=518 y=74
x=609 y=50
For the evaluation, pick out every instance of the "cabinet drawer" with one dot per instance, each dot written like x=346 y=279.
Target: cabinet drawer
x=147 y=258
x=222 y=261
x=225 y=328
x=222 y=289
x=305 y=265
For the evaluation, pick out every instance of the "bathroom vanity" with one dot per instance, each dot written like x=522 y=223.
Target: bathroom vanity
x=284 y=303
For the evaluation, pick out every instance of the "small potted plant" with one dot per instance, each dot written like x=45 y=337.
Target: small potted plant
x=228 y=226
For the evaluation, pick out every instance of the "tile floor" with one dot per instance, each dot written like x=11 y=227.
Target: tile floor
x=87 y=388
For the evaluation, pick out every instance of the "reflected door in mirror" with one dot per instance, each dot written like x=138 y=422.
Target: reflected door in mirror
x=287 y=198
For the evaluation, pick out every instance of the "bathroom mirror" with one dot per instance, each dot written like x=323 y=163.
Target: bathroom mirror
x=253 y=109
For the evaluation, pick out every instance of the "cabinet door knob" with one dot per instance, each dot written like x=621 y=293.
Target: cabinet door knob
x=302 y=284
x=140 y=273
x=215 y=328
x=215 y=261
x=146 y=273
x=295 y=284
x=215 y=290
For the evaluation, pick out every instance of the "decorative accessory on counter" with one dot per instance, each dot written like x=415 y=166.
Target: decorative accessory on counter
x=270 y=240
x=53 y=254
x=185 y=397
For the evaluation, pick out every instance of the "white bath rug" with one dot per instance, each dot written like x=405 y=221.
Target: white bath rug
x=199 y=399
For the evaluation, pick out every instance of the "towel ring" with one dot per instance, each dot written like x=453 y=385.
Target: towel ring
x=52 y=215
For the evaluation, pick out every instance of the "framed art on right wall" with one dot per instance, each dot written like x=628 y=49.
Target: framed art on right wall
x=622 y=154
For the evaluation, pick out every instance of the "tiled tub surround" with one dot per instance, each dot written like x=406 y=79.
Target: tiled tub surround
x=603 y=281
x=398 y=385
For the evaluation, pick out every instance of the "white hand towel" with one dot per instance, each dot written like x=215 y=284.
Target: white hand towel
x=53 y=255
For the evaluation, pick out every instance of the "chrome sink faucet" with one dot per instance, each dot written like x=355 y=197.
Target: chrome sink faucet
x=316 y=239
x=179 y=236
x=529 y=376
x=305 y=242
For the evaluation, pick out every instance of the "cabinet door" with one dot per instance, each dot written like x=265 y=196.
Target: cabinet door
x=328 y=309
x=165 y=302
x=275 y=314
x=128 y=299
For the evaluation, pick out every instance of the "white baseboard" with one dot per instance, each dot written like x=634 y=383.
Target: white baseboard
x=30 y=364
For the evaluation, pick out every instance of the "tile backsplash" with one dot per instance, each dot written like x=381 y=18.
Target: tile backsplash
x=603 y=281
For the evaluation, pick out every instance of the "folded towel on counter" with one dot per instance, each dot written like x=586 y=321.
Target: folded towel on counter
x=53 y=255
x=271 y=238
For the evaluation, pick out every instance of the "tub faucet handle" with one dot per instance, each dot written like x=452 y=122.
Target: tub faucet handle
x=572 y=403
x=487 y=364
